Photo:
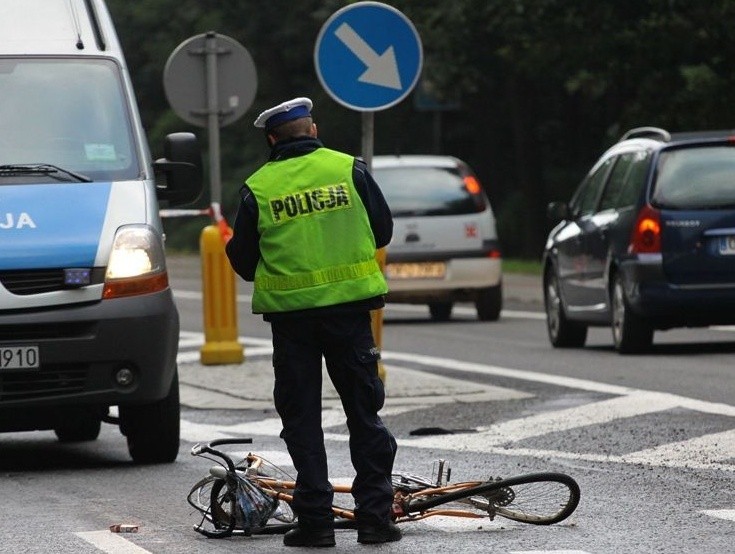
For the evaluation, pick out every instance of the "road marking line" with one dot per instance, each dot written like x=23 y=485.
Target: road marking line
x=720 y=514
x=593 y=413
x=689 y=453
x=548 y=552
x=111 y=542
x=391 y=306
x=270 y=427
x=448 y=524
x=484 y=369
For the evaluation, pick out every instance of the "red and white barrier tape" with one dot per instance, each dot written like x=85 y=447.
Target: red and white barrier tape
x=214 y=211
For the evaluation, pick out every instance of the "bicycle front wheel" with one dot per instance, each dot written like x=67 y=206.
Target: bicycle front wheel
x=538 y=498
x=218 y=506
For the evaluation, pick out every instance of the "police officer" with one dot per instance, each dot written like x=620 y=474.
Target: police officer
x=306 y=232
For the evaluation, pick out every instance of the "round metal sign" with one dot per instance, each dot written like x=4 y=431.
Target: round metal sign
x=186 y=78
x=368 y=56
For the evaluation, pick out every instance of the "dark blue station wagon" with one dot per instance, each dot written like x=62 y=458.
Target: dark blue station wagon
x=647 y=242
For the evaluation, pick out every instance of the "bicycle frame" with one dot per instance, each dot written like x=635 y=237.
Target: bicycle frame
x=415 y=498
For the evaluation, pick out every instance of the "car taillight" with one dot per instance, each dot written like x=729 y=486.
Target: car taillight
x=646 y=236
x=472 y=185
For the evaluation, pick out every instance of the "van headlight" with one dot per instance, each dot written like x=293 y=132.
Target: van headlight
x=137 y=263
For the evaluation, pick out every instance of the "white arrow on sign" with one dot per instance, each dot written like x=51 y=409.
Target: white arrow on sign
x=382 y=69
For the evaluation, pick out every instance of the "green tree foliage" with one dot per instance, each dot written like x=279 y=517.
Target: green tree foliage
x=543 y=86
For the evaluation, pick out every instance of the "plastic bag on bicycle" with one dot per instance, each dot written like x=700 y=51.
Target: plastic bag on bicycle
x=256 y=507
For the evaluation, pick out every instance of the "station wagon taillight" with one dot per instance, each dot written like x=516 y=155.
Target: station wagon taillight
x=646 y=236
x=472 y=185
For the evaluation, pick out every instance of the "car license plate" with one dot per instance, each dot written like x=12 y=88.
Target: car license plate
x=727 y=245
x=19 y=357
x=426 y=270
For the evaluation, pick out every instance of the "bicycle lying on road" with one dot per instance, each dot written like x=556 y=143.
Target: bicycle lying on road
x=253 y=496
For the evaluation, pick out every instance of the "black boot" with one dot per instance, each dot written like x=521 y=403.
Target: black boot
x=304 y=536
x=375 y=534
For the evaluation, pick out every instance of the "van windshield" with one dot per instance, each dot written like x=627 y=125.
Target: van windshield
x=70 y=113
x=696 y=178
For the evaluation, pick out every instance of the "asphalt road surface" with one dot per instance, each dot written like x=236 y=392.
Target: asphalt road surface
x=650 y=439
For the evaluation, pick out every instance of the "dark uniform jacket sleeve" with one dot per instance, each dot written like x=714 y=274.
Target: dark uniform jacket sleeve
x=243 y=249
x=372 y=198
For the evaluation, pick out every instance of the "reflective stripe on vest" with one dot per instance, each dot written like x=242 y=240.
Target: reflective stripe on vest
x=319 y=277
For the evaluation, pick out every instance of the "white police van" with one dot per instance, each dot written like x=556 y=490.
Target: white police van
x=87 y=318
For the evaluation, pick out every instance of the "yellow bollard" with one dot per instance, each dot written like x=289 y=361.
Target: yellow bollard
x=220 y=302
x=376 y=317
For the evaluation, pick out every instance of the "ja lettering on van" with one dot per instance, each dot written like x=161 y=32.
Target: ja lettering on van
x=17 y=221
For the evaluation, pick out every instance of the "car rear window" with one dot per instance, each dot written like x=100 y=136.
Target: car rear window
x=696 y=178
x=424 y=191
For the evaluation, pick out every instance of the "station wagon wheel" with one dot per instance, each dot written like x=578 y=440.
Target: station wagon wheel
x=562 y=332
x=489 y=303
x=440 y=311
x=631 y=334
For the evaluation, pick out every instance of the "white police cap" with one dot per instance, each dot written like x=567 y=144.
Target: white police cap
x=287 y=111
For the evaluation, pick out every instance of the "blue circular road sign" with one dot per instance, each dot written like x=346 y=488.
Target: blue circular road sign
x=368 y=56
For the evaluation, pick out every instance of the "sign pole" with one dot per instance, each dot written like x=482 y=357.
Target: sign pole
x=213 y=118
x=368 y=140
x=376 y=316
x=198 y=71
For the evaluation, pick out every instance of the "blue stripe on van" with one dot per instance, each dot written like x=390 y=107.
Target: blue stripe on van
x=51 y=225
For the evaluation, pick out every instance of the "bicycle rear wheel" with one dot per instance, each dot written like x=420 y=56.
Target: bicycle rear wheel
x=218 y=506
x=537 y=499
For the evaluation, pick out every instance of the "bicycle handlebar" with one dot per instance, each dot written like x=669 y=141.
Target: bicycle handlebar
x=199 y=448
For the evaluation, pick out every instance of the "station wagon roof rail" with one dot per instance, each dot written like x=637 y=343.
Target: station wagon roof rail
x=647 y=132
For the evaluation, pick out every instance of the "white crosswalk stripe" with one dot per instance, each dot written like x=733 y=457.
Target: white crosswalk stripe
x=549 y=422
x=720 y=514
x=708 y=451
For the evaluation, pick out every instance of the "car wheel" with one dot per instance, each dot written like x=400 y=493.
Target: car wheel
x=562 y=332
x=79 y=428
x=631 y=334
x=152 y=430
x=489 y=303
x=440 y=311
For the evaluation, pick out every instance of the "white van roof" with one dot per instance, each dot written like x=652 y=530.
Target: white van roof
x=57 y=27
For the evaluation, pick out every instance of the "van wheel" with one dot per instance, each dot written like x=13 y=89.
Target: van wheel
x=78 y=428
x=631 y=334
x=440 y=311
x=562 y=332
x=152 y=430
x=489 y=303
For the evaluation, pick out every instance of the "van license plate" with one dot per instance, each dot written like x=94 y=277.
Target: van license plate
x=19 y=357
x=727 y=245
x=427 y=270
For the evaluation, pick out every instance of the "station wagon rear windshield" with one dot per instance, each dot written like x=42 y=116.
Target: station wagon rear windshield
x=70 y=113
x=424 y=191
x=696 y=178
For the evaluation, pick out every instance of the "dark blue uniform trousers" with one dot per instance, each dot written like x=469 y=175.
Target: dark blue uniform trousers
x=346 y=343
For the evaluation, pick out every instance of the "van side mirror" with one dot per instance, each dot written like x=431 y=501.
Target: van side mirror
x=182 y=167
x=557 y=211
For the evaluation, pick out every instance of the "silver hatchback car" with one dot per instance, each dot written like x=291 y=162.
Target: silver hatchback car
x=445 y=245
